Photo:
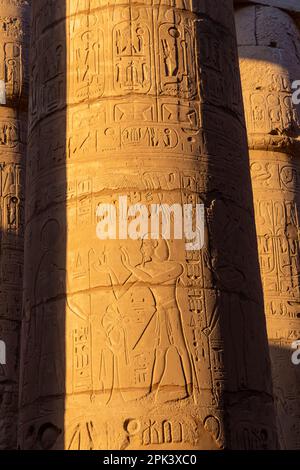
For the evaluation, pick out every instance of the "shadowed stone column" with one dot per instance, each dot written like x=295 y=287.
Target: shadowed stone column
x=164 y=347
x=269 y=49
x=14 y=17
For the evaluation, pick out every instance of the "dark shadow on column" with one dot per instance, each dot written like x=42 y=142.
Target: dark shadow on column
x=286 y=393
x=237 y=329
x=42 y=394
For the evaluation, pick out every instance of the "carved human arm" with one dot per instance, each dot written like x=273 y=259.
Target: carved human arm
x=161 y=277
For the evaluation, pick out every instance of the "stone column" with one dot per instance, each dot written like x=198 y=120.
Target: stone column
x=140 y=344
x=13 y=130
x=269 y=49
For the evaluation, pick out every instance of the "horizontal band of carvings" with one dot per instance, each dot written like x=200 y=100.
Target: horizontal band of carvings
x=275 y=143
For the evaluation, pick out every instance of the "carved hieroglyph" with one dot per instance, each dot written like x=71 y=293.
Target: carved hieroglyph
x=130 y=344
x=14 y=16
x=269 y=48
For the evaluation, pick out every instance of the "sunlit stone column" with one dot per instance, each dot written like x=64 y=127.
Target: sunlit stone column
x=140 y=344
x=269 y=49
x=14 y=16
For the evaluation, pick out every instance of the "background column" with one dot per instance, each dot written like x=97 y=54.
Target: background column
x=14 y=17
x=269 y=49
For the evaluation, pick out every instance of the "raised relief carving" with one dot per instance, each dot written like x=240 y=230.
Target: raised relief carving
x=88 y=58
x=177 y=59
x=11 y=69
x=132 y=57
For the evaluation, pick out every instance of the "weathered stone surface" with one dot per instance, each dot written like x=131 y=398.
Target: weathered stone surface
x=140 y=344
x=14 y=17
x=290 y=5
x=269 y=49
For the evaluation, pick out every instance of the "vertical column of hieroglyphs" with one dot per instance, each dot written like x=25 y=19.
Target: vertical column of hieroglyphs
x=158 y=340
x=13 y=118
x=269 y=47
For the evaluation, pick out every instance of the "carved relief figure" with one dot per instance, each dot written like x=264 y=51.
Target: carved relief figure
x=160 y=276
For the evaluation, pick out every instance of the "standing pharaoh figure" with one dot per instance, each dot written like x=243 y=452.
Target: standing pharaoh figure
x=13 y=132
x=158 y=346
x=269 y=49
